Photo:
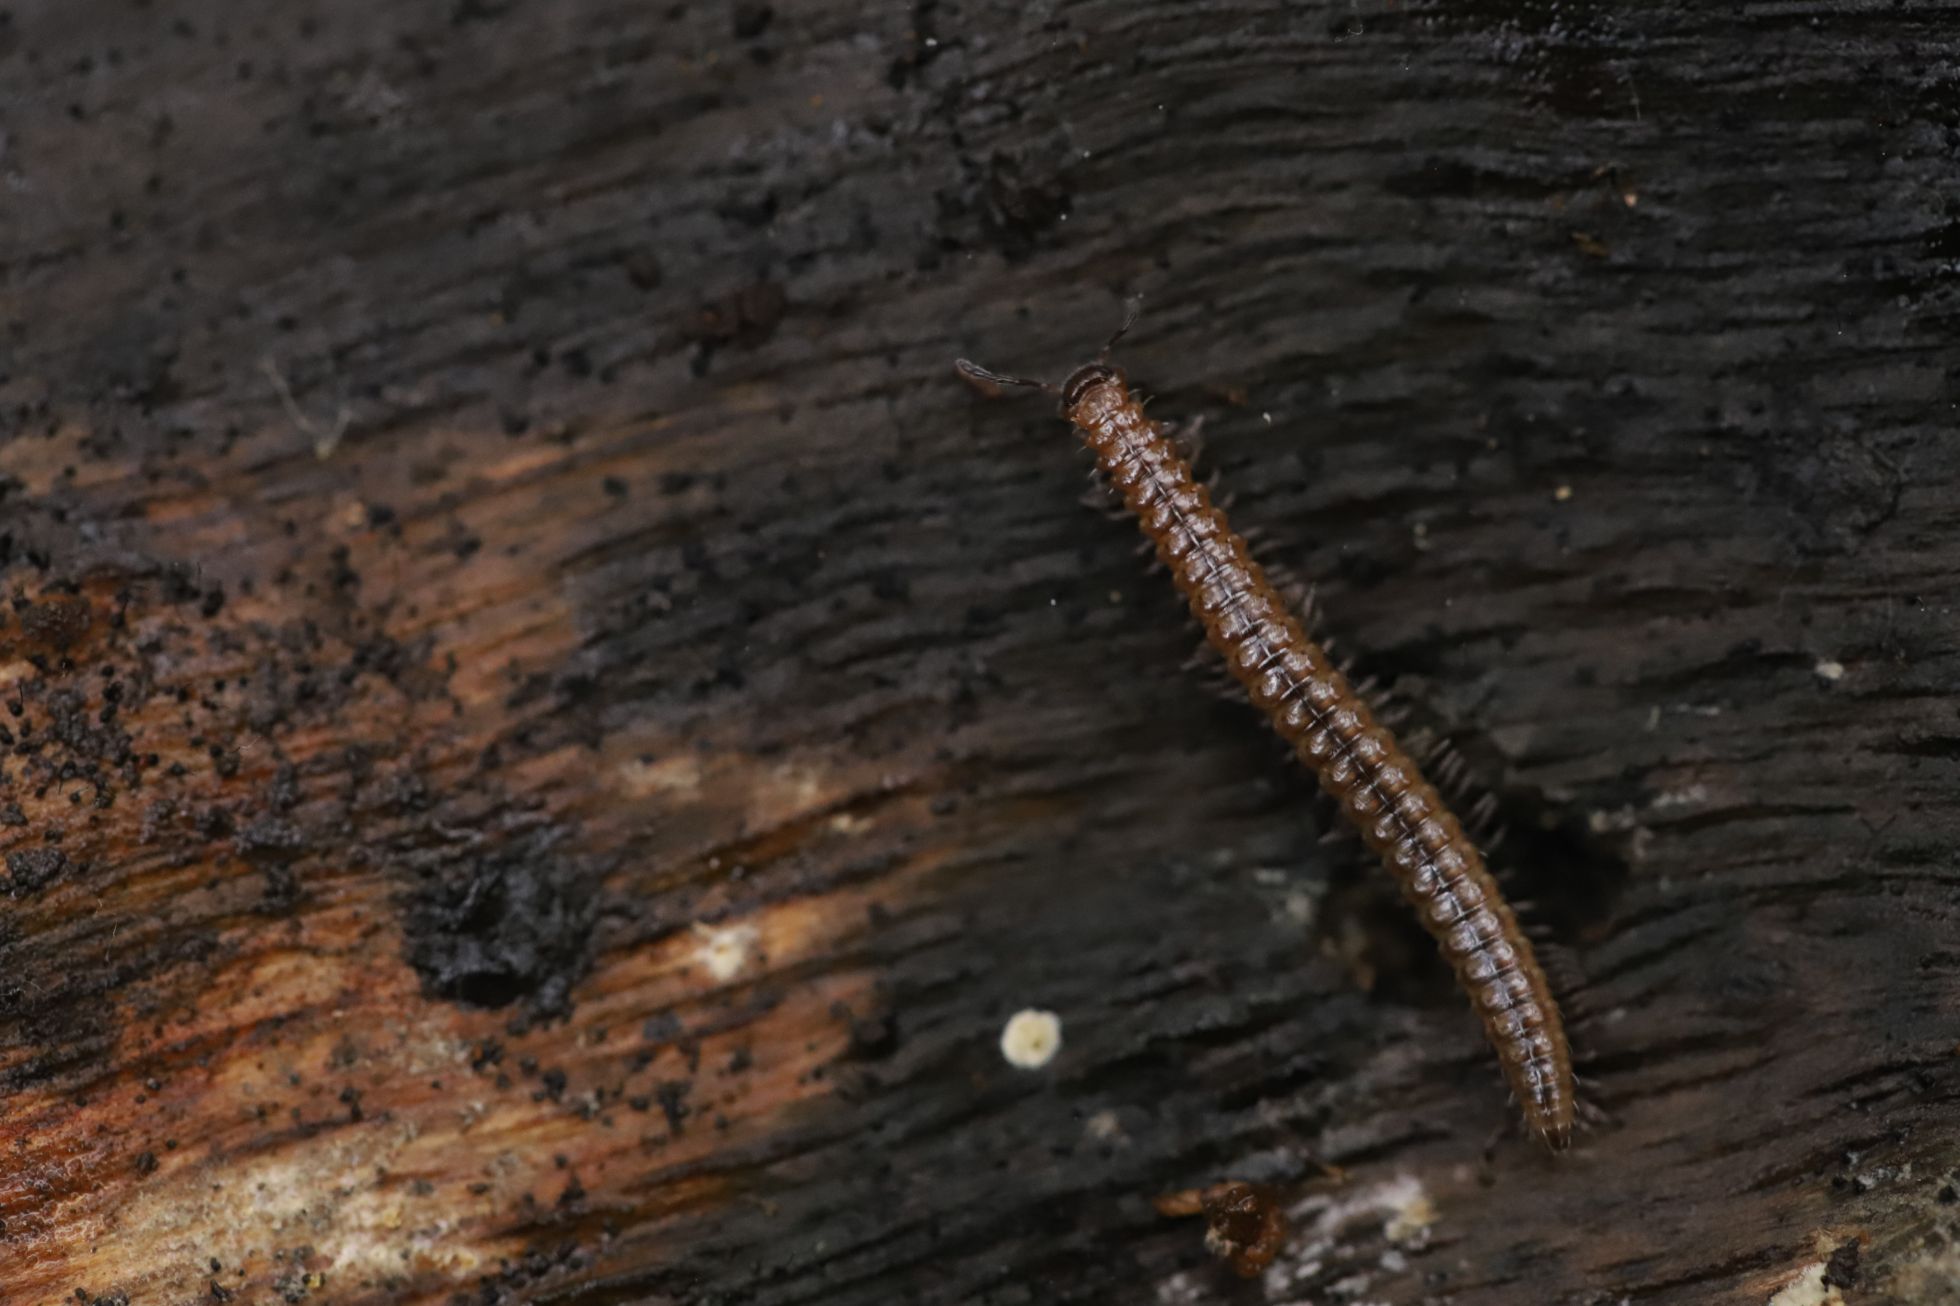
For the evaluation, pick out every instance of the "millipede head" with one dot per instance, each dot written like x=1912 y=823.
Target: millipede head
x=1084 y=379
x=1072 y=391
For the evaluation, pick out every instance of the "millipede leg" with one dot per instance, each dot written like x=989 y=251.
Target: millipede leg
x=1104 y=498
x=1189 y=438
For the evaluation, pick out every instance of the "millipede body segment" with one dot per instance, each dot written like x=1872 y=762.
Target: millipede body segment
x=1291 y=679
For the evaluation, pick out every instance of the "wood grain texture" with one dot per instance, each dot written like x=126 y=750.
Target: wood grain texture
x=547 y=733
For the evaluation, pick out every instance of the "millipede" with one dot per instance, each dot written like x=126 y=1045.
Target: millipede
x=1310 y=702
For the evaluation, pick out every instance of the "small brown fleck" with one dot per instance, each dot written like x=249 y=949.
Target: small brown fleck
x=1589 y=245
x=55 y=622
x=1244 y=1225
x=745 y=318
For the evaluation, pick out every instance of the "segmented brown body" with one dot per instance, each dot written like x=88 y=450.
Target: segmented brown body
x=1311 y=704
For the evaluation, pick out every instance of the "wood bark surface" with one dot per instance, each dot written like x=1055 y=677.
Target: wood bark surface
x=546 y=733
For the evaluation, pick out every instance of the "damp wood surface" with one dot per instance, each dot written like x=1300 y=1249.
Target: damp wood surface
x=544 y=733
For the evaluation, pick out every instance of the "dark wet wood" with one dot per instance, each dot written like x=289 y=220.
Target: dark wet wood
x=547 y=732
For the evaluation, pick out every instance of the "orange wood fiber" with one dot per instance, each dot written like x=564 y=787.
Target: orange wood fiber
x=1379 y=787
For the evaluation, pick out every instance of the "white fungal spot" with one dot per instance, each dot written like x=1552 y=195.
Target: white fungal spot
x=1829 y=669
x=1179 y=1290
x=1694 y=795
x=1328 y=1228
x=1105 y=1127
x=1808 y=1289
x=644 y=776
x=723 y=953
x=1410 y=1210
x=1301 y=909
x=1616 y=820
x=1031 y=1039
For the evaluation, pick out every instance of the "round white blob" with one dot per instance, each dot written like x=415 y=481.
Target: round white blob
x=724 y=952
x=1031 y=1039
